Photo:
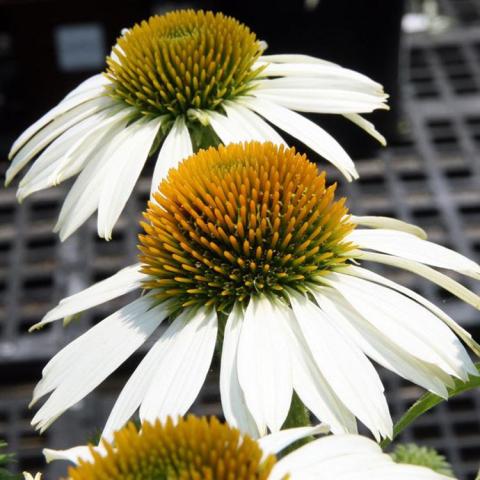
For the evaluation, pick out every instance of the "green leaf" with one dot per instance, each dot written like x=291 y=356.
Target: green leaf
x=430 y=400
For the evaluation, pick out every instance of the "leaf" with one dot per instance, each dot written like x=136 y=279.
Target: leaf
x=430 y=400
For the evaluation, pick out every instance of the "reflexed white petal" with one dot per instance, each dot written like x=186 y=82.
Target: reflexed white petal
x=317 y=70
x=264 y=365
x=67 y=155
x=92 y=83
x=436 y=277
x=57 y=149
x=344 y=366
x=82 y=199
x=228 y=130
x=310 y=384
x=316 y=83
x=314 y=454
x=52 y=131
x=306 y=131
x=369 y=127
x=379 y=347
x=461 y=332
x=275 y=442
x=408 y=246
x=181 y=368
x=390 y=223
x=129 y=159
x=292 y=58
x=75 y=98
x=124 y=281
x=411 y=326
x=176 y=147
x=346 y=457
x=74 y=454
x=256 y=127
x=84 y=363
x=233 y=401
x=322 y=100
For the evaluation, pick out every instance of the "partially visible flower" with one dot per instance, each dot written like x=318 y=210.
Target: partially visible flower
x=178 y=82
x=201 y=448
x=423 y=456
x=250 y=238
x=28 y=476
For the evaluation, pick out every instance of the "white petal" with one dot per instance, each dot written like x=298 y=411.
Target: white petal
x=75 y=98
x=67 y=155
x=314 y=454
x=317 y=83
x=228 y=130
x=52 y=131
x=187 y=353
x=233 y=401
x=176 y=147
x=408 y=246
x=322 y=100
x=129 y=159
x=389 y=223
x=292 y=58
x=310 y=384
x=346 y=457
x=275 y=442
x=82 y=199
x=325 y=70
x=410 y=325
x=369 y=127
x=74 y=454
x=124 y=281
x=264 y=366
x=345 y=367
x=29 y=476
x=436 y=277
x=84 y=363
x=254 y=125
x=89 y=85
x=379 y=347
x=461 y=332
x=306 y=131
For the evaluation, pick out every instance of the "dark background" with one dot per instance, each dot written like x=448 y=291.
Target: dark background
x=429 y=174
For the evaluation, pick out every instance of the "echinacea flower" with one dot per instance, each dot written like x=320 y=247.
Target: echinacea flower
x=175 y=83
x=201 y=448
x=248 y=240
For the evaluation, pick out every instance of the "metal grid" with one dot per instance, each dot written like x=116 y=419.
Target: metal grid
x=432 y=179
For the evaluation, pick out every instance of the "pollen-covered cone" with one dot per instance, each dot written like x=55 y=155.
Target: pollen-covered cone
x=175 y=83
x=200 y=448
x=248 y=240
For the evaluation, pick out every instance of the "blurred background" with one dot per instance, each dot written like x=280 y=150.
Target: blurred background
x=426 y=53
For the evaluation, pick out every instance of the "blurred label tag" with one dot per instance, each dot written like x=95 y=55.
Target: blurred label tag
x=80 y=47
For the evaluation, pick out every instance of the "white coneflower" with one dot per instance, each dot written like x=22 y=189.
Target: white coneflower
x=249 y=237
x=175 y=83
x=201 y=448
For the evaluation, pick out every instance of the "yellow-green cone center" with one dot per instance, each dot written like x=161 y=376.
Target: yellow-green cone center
x=183 y=60
x=192 y=449
x=241 y=220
